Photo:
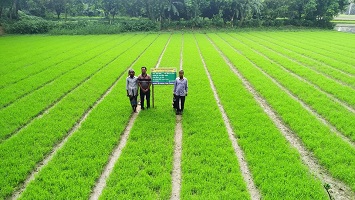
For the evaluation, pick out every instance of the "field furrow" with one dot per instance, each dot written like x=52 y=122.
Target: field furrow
x=269 y=115
x=36 y=57
x=313 y=52
x=334 y=113
x=336 y=90
x=21 y=113
x=210 y=167
x=31 y=145
x=325 y=48
x=18 y=54
x=330 y=150
x=144 y=168
x=56 y=63
x=274 y=164
x=22 y=88
x=303 y=60
x=95 y=143
x=337 y=189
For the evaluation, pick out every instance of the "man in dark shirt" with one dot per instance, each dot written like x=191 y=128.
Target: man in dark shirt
x=144 y=82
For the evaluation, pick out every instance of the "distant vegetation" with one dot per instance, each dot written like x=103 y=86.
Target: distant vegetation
x=115 y=16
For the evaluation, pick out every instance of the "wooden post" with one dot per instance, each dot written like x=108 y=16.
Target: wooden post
x=153 y=94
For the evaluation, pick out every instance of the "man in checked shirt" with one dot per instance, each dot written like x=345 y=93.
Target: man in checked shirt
x=144 y=82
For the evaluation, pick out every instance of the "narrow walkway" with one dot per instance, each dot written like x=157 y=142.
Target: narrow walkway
x=176 y=173
x=338 y=190
x=101 y=183
x=254 y=192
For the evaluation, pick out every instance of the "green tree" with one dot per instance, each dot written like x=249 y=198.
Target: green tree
x=111 y=7
x=273 y=9
x=243 y=9
x=194 y=7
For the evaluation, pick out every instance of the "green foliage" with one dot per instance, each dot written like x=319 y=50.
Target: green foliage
x=138 y=25
x=28 y=25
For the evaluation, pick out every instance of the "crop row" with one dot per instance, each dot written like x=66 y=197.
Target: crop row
x=326 y=48
x=332 y=152
x=335 y=113
x=275 y=166
x=56 y=67
x=297 y=54
x=31 y=145
x=85 y=154
x=314 y=52
x=209 y=164
x=144 y=168
x=38 y=51
x=340 y=91
x=63 y=56
x=24 y=110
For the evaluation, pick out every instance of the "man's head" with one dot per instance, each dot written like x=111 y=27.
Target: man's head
x=144 y=70
x=181 y=73
x=131 y=73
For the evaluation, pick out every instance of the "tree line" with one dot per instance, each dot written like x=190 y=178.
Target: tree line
x=230 y=11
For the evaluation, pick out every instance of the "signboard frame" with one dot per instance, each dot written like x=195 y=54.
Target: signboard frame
x=162 y=76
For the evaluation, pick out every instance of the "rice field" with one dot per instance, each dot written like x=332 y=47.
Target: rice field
x=269 y=115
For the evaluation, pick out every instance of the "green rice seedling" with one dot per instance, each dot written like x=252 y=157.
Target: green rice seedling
x=55 y=68
x=325 y=48
x=32 y=144
x=210 y=168
x=340 y=91
x=336 y=114
x=296 y=54
x=144 y=168
x=335 y=155
x=27 y=51
x=275 y=166
x=21 y=112
x=315 y=52
x=82 y=159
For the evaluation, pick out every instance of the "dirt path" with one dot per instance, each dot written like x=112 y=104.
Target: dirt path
x=338 y=190
x=101 y=182
x=254 y=192
x=176 y=173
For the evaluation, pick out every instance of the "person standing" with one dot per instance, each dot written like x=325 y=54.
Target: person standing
x=144 y=83
x=132 y=89
x=180 y=92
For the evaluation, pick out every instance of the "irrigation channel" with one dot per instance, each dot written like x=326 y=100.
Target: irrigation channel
x=268 y=115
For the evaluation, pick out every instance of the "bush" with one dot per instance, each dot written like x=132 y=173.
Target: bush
x=138 y=25
x=28 y=24
x=89 y=29
x=29 y=27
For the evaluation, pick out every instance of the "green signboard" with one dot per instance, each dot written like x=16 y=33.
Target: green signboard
x=163 y=76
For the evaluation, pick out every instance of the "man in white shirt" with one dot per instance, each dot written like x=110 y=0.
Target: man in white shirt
x=180 y=92
x=132 y=89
